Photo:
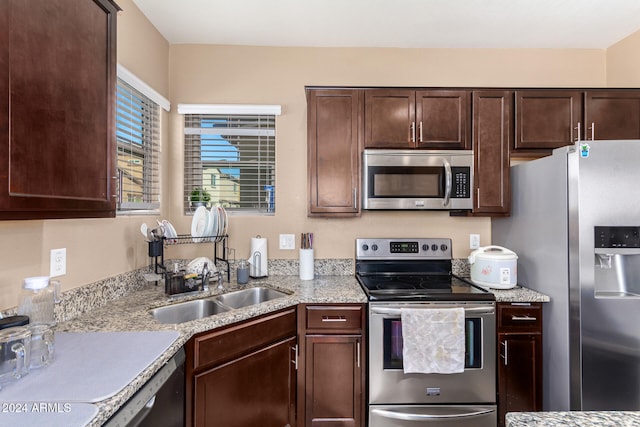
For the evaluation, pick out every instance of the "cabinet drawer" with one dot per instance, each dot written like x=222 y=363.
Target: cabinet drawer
x=520 y=317
x=334 y=318
x=234 y=341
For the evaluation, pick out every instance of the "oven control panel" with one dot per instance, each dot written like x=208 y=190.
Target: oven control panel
x=403 y=248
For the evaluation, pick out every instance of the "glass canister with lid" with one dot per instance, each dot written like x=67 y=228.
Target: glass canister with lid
x=37 y=299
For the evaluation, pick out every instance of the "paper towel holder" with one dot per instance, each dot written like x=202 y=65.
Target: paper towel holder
x=255 y=272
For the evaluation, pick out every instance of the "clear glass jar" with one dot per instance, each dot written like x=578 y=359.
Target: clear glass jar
x=37 y=299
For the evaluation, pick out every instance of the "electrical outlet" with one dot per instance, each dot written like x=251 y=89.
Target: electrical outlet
x=474 y=241
x=288 y=241
x=58 y=262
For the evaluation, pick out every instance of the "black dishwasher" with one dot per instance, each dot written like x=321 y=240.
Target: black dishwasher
x=159 y=403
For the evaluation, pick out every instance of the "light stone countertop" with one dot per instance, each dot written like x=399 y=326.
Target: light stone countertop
x=130 y=313
x=128 y=310
x=573 y=419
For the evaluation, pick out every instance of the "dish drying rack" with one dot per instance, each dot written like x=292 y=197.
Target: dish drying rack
x=156 y=250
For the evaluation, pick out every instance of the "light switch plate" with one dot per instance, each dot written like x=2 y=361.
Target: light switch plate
x=288 y=241
x=58 y=262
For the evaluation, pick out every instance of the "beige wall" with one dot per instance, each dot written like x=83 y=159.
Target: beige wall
x=623 y=62
x=96 y=248
x=228 y=74
x=99 y=248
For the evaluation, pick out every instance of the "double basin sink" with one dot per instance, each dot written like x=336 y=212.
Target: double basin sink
x=201 y=308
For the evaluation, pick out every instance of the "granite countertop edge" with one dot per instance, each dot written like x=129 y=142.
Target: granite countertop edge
x=573 y=419
x=130 y=313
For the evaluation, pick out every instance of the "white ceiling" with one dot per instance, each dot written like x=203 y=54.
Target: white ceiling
x=396 y=23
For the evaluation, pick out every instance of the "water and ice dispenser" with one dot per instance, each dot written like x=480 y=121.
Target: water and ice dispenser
x=617 y=261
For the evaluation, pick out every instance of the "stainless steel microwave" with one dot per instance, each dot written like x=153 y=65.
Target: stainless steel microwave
x=417 y=179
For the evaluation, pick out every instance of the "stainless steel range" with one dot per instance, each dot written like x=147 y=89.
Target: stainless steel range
x=399 y=276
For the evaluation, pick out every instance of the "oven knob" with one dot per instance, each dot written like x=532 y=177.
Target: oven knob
x=365 y=247
x=374 y=247
x=434 y=247
x=425 y=247
x=443 y=247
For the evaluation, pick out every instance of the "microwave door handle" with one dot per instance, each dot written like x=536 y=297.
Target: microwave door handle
x=447 y=182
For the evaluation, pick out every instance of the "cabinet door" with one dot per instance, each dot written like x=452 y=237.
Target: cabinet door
x=547 y=119
x=257 y=390
x=612 y=114
x=57 y=84
x=492 y=133
x=390 y=118
x=519 y=373
x=334 y=148
x=443 y=119
x=333 y=381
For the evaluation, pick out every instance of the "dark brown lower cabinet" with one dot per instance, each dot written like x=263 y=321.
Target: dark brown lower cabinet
x=244 y=375
x=332 y=381
x=254 y=390
x=519 y=358
x=331 y=374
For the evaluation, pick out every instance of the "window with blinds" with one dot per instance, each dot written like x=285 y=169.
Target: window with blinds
x=138 y=152
x=231 y=159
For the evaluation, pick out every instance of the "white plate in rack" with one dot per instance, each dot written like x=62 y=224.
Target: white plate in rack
x=199 y=223
x=170 y=232
x=214 y=223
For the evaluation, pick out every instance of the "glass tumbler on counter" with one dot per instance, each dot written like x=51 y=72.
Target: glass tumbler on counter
x=15 y=352
x=42 y=346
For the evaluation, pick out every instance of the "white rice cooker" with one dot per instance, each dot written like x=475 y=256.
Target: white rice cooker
x=494 y=267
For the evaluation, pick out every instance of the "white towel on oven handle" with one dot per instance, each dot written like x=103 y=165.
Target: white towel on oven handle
x=433 y=340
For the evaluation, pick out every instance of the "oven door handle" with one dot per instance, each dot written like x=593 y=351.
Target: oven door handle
x=407 y=416
x=398 y=311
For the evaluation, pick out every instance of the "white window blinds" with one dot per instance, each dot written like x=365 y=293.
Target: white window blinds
x=231 y=158
x=138 y=151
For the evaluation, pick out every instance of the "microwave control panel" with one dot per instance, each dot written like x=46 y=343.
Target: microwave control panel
x=461 y=185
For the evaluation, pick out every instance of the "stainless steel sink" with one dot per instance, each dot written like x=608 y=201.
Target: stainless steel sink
x=187 y=311
x=250 y=296
x=201 y=308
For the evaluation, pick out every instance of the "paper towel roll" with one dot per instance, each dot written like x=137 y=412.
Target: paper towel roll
x=306 y=264
x=258 y=257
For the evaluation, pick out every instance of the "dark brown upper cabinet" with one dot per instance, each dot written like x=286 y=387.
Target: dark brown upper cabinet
x=547 y=119
x=402 y=118
x=492 y=133
x=57 y=84
x=334 y=126
x=612 y=114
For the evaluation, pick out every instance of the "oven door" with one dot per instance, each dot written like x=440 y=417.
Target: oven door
x=414 y=179
x=388 y=384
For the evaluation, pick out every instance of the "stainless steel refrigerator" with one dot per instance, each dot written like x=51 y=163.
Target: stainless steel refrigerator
x=575 y=226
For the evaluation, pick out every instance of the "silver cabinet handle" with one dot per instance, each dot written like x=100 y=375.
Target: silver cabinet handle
x=418 y=417
x=355 y=198
x=593 y=131
x=295 y=356
x=506 y=354
x=478 y=198
x=524 y=318
x=420 y=127
x=447 y=180
x=578 y=129
x=358 y=353
x=413 y=131
x=334 y=319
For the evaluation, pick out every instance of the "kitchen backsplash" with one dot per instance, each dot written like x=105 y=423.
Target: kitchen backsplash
x=80 y=300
